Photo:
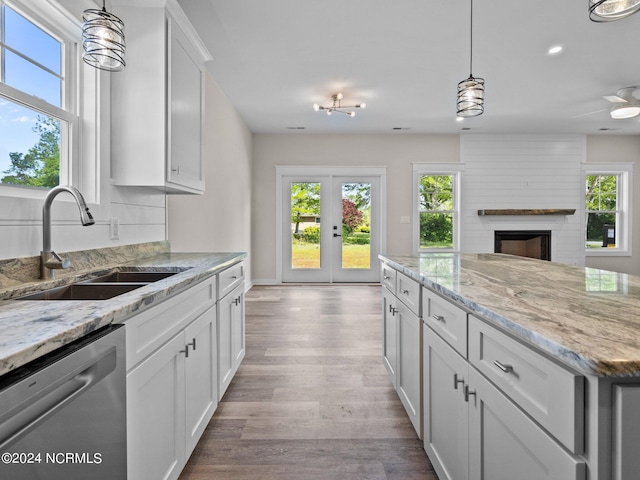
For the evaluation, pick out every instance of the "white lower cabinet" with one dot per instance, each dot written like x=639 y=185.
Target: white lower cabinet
x=402 y=341
x=504 y=443
x=231 y=337
x=201 y=374
x=171 y=396
x=181 y=355
x=446 y=414
x=408 y=383
x=389 y=335
x=156 y=429
x=473 y=431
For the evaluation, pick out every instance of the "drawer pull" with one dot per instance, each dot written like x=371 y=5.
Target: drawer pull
x=185 y=351
x=192 y=344
x=386 y=277
x=504 y=368
x=467 y=393
x=438 y=318
x=456 y=381
x=406 y=292
x=393 y=311
x=234 y=277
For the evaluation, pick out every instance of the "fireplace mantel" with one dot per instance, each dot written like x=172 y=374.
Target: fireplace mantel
x=534 y=211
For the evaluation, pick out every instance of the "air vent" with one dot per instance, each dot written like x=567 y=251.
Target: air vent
x=464 y=129
x=400 y=128
x=296 y=128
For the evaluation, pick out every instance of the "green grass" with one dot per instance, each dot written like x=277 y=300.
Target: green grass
x=307 y=255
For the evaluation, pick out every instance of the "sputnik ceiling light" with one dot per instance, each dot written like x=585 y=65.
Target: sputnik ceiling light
x=337 y=106
x=471 y=90
x=610 y=10
x=103 y=40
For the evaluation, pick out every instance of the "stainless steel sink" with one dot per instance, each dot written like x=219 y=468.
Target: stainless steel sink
x=84 y=291
x=127 y=277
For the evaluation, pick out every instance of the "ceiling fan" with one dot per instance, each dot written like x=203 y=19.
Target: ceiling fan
x=626 y=104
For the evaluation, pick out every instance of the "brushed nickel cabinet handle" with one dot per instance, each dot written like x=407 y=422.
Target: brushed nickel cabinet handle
x=438 y=318
x=503 y=367
x=467 y=393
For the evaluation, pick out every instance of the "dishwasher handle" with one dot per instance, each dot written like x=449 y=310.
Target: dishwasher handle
x=53 y=397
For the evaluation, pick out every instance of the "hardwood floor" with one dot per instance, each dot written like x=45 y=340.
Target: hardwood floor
x=311 y=399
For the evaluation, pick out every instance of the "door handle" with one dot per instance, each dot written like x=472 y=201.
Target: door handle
x=336 y=235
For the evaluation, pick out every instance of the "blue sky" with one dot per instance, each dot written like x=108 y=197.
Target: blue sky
x=16 y=122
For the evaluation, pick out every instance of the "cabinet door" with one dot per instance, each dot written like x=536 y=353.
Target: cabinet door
x=505 y=444
x=186 y=102
x=155 y=414
x=409 y=365
x=446 y=414
x=201 y=376
x=230 y=337
x=389 y=334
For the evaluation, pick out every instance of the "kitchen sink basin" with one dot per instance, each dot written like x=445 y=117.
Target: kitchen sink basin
x=84 y=291
x=127 y=277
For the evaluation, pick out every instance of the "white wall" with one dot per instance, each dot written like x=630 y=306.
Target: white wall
x=523 y=172
x=395 y=151
x=527 y=172
x=619 y=149
x=220 y=219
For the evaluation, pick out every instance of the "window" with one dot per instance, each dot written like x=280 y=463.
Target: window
x=607 y=205
x=36 y=106
x=436 y=215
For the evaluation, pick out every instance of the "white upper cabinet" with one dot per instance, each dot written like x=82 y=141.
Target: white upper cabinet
x=157 y=102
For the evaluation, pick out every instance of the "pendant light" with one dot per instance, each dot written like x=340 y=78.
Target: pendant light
x=103 y=40
x=610 y=10
x=471 y=90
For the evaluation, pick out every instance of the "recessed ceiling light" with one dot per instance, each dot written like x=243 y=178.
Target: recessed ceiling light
x=459 y=119
x=555 y=50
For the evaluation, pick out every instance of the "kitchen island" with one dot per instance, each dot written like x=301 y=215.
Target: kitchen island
x=515 y=348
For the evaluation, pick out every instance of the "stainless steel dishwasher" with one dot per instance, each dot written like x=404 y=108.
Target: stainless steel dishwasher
x=63 y=416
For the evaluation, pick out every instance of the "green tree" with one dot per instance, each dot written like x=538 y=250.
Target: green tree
x=601 y=205
x=436 y=211
x=40 y=166
x=305 y=200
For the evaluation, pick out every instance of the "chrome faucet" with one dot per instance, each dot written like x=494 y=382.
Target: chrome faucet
x=50 y=260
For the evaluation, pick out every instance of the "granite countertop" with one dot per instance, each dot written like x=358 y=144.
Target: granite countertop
x=32 y=328
x=586 y=318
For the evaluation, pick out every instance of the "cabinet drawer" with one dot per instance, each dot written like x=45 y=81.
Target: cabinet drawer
x=446 y=319
x=151 y=328
x=551 y=394
x=408 y=292
x=388 y=277
x=229 y=279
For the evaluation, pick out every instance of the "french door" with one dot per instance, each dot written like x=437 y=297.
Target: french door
x=331 y=228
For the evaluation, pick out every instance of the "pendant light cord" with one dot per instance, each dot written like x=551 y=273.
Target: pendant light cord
x=471 y=42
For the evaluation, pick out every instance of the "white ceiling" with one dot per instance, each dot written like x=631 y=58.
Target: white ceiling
x=275 y=58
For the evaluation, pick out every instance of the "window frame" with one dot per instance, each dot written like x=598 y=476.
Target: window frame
x=436 y=169
x=624 y=203
x=83 y=106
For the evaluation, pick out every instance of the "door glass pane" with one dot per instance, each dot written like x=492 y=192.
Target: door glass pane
x=305 y=225
x=356 y=225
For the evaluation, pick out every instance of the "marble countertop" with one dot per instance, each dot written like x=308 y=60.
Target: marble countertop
x=32 y=328
x=588 y=319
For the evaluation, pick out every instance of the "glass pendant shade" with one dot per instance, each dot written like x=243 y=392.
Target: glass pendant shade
x=103 y=40
x=609 y=10
x=471 y=97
